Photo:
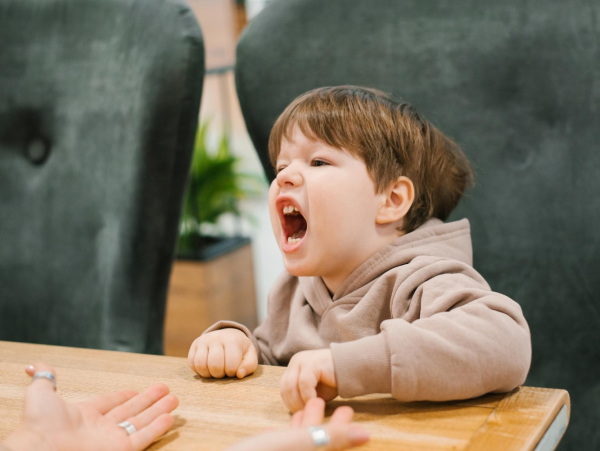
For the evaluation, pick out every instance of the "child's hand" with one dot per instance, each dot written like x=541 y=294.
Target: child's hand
x=225 y=352
x=310 y=374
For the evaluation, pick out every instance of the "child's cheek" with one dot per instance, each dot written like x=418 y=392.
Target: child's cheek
x=275 y=225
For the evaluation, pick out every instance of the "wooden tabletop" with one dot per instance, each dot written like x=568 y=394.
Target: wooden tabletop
x=214 y=414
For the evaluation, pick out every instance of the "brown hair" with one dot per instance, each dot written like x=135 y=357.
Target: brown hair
x=390 y=137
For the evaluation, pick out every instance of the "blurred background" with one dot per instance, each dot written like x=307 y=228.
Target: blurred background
x=222 y=23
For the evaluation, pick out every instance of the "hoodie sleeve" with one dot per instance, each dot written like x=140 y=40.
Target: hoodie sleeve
x=451 y=337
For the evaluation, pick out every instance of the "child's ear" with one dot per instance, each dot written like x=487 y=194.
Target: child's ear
x=399 y=197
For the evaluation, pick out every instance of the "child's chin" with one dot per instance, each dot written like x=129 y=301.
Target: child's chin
x=298 y=270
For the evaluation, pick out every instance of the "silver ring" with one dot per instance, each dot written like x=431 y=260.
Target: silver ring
x=130 y=428
x=45 y=375
x=319 y=437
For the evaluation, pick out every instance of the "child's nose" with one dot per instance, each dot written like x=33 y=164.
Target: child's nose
x=289 y=177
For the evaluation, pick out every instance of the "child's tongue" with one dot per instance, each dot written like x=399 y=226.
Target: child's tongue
x=295 y=228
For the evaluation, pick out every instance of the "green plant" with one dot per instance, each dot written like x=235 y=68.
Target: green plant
x=215 y=188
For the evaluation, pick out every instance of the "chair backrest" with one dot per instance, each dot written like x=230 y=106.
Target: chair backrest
x=517 y=84
x=98 y=111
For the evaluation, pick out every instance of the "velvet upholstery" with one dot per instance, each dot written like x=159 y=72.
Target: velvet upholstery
x=517 y=84
x=98 y=111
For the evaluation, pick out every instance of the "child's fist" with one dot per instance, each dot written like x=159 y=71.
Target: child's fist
x=310 y=374
x=225 y=352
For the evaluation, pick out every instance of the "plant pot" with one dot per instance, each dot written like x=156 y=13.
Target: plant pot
x=205 y=248
x=214 y=282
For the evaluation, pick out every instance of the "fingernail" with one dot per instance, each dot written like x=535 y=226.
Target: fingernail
x=242 y=373
x=30 y=367
x=358 y=435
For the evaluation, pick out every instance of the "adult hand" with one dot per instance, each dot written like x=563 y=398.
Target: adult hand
x=50 y=423
x=342 y=433
x=225 y=352
x=309 y=374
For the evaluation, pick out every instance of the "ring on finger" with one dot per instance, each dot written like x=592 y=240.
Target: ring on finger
x=319 y=436
x=130 y=428
x=45 y=375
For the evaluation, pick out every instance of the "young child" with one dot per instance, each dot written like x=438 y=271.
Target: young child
x=379 y=295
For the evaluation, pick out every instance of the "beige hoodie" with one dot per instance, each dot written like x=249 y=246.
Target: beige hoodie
x=414 y=320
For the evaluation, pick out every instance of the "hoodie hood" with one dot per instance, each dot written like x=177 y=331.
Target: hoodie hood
x=432 y=239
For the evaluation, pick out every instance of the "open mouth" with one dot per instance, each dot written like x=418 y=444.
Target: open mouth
x=293 y=224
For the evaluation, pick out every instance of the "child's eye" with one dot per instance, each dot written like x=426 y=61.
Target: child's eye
x=280 y=168
x=319 y=163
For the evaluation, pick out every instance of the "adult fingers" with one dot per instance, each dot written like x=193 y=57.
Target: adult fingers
x=344 y=436
x=105 y=403
x=42 y=381
x=138 y=403
x=342 y=415
x=296 y=421
x=164 y=405
x=32 y=369
x=314 y=411
x=288 y=388
x=249 y=362
x=216 y=360
x=201 y=361
x=144 y=437
x=307 y=383
x=233 y=358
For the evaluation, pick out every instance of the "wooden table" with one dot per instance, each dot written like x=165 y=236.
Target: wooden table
x=216 y=413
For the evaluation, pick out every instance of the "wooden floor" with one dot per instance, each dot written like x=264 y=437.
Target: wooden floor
x=202 y=293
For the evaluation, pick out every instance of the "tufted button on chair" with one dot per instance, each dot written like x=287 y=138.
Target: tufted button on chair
x=98 y=111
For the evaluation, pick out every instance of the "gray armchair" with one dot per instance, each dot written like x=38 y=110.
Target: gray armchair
x=98 y=111
x=517 y=85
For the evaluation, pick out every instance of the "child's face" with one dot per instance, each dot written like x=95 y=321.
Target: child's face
x=334 y=229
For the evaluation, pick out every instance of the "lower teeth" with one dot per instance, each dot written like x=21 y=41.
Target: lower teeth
x=293 y=239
